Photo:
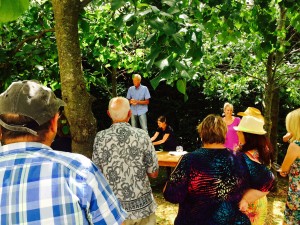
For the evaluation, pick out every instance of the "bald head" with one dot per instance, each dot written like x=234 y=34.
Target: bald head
x=119 y=109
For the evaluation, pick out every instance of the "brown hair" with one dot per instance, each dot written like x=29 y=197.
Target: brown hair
x=262 y=144
x=20 y=120
x=162 y=119
x=212 y=129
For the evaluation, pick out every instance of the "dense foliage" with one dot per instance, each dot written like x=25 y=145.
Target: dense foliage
x=211 y=51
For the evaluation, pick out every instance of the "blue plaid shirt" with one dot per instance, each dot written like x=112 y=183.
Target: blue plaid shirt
x=42 y=186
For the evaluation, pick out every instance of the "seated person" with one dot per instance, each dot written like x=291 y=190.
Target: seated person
x=164 y=136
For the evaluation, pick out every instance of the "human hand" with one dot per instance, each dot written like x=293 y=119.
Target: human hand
x=243 y=205
x=283 y=174
x=133 y=101
x=287 y=137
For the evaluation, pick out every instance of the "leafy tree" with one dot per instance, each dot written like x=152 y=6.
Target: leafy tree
x=186 y=32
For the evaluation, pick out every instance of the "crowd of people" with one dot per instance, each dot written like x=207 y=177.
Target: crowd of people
x=224 y=182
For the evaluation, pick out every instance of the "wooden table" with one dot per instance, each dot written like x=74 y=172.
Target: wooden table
x=165 y=159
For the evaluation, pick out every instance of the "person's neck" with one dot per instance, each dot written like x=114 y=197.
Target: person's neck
x=25 y=139
x=214 y=145
x=120 y=121
x=228 y=117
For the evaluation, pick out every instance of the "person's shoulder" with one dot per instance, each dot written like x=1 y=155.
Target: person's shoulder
x=73 y=161
x=237 y=119
x=170 y=128
x=294 y=148
x=131 y=88
x=144 y=87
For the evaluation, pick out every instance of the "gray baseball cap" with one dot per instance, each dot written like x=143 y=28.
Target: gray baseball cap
x=29 y=98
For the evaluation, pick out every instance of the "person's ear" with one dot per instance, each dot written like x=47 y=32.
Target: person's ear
x=54 y=123
x=129 y=114
x=108 y=113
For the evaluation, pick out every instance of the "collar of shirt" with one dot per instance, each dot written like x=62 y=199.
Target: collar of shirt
x=21 y=147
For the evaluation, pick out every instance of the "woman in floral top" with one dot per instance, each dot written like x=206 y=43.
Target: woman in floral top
x=291 y=167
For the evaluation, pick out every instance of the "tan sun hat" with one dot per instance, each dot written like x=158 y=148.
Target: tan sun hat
x=252 y=125
x=251 y=111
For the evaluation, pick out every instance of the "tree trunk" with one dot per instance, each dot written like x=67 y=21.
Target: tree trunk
x=274 y=118
x=78 y=109
x=114 y=82
x=268 y=98
x=276 y=96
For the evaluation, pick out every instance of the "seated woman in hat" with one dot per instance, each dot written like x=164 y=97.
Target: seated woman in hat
x=257 y=147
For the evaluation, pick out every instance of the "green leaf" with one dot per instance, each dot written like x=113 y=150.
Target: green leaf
x=132 y=30
x=170 y=3
x=181 y=86
x=169 y=28
x=12 y=9
x=153 y=55
x=178 y=39
x=150 y=40
x=157 y=23
x=162 y=64
x=116 y=4
x=128 y=17
x=65 y=129
x=164 y=75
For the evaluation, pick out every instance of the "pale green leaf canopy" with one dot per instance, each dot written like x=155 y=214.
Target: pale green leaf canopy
x=11 y=9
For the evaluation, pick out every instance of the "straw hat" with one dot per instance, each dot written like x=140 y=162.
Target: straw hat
x=251 y=111
x=252 y=125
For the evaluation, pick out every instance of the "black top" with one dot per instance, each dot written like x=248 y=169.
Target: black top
x=171 y=143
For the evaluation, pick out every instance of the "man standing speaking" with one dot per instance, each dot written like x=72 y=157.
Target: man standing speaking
x=138 y=96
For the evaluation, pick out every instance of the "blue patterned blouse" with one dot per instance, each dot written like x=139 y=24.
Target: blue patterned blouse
x=209 y=183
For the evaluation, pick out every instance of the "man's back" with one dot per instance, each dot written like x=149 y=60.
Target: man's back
x=125 y=155
x=42 y=186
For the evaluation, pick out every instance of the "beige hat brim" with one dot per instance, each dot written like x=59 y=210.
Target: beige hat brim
x=259 y=132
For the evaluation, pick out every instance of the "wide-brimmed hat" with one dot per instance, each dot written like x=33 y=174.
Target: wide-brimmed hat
x=29 y=98
x=251 y=124
x=251 y=111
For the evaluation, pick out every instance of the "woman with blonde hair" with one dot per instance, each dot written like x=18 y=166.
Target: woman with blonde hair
x=232 y=139
x=291 y=167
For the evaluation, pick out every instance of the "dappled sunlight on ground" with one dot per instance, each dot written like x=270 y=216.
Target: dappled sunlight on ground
x=278 y=208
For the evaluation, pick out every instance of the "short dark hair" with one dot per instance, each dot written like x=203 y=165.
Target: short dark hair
x=162 y=119
x=21 y=120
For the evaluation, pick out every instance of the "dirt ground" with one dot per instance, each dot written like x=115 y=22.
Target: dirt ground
x=166 y=212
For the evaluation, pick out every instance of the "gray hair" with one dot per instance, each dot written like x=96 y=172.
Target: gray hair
x=118 y=108
x=137 y=76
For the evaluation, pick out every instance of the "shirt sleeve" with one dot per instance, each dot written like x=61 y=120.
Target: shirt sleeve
x=177 y=187
x=150 y=159
x=102 y=205
x=129 y=94
x=147 y=93
x=261 y=177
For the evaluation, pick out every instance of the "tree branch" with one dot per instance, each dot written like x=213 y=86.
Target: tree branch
x=84 y=3
x=295 y=74
x=31 y=38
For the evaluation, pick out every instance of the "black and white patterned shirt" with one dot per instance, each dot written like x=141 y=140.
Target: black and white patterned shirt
x=125 y=155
